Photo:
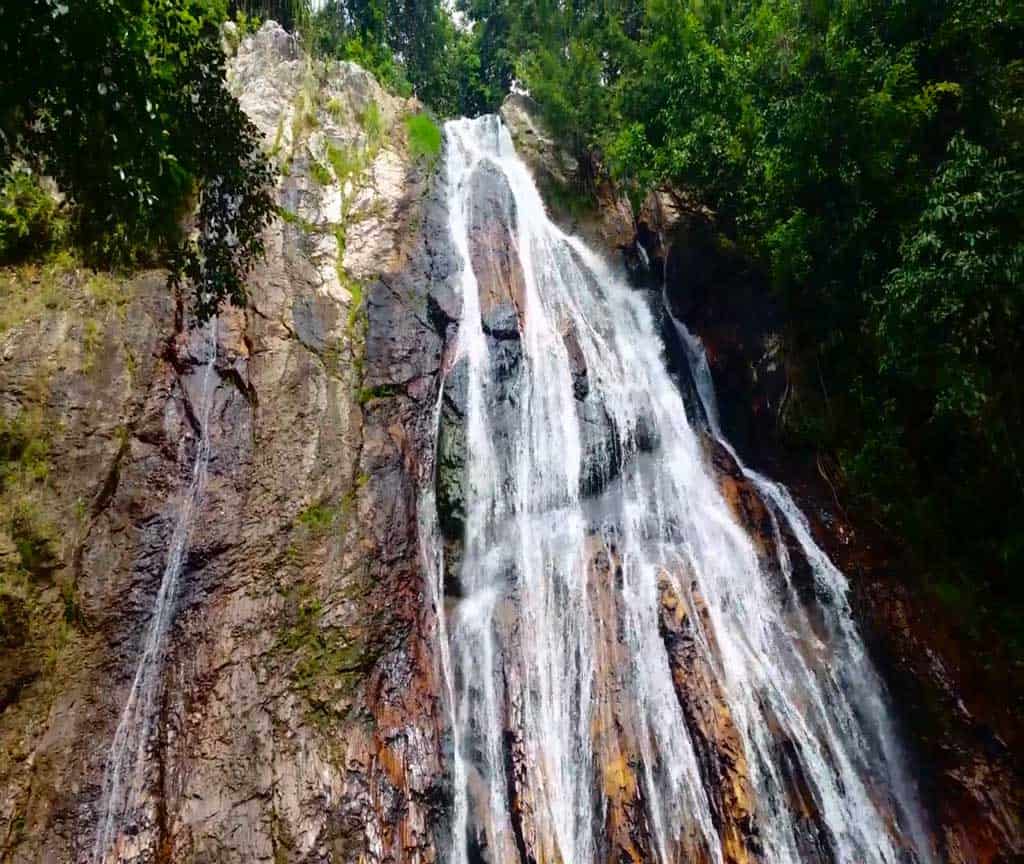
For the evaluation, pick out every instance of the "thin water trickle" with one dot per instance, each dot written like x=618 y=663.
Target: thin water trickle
x=124 y=774
x=554 y=662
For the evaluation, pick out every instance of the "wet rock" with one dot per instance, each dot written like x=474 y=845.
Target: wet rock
x=627 y=834
x=601 y=460
x=577 y=364
x=743 y=499
x=451 y=454
x=723 y=298
x=493 y=252
x=719 y=747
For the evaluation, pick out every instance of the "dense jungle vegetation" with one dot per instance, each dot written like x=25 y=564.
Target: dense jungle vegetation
x=868 y=154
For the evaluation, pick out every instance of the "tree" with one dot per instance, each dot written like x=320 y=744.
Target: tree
x=124 y=104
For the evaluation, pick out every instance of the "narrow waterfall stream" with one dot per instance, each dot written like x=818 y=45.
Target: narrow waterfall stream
x=124 y=778
x=630 y=675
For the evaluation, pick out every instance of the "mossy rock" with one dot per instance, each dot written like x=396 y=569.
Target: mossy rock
x=14 y=621
x=451 y=472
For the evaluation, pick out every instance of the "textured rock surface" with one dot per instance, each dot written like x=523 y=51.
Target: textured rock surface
x=566 y=185
x=298 y=716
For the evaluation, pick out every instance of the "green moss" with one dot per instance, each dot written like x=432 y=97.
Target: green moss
x=319 y=174
x=92 y=341
x=28 y=537
x=304 y=112
x=372 y=123
x=341 y=236
x=295 y=219
x=424 y=137
x=381 y=391
x=278 y=137
x=336 y=108
x=326 y=663
x=24 y=450
x=108 y=292
x=130 y=363
x=346 y=162
x=318 y=518
x=24 y=470
x=30 y=290
x=355 y=307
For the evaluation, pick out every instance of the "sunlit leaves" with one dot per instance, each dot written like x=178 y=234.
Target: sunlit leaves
x=121 y=102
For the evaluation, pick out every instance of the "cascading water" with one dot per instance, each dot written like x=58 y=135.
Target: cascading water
x=595 y=541
x=855 y=676
x=124 y=774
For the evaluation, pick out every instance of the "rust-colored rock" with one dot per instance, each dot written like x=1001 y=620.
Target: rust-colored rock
x=716 y=739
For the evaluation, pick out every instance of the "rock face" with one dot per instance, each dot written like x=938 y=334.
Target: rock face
x=727 y=302
x=568 y=186
x=297 y=710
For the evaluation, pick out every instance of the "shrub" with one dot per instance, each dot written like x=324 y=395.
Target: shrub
x=424 y=137
x=30 y=217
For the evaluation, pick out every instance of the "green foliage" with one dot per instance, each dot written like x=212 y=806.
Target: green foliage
x=952 y=307
x=126 y=107
x=357 y=31
x=28 y=539
x=373 y=125
x=318 y=518
x=345 y=162
x=381 y=391
x=31 y=220
x=871 y=155
x=293 y=15
x=424 y=137
x=326 y=663
x=27 y=291
x=413 y=47
x=319 y=174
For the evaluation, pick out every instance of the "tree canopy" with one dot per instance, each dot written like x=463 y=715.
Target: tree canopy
x=870 y=155
x=124 y=104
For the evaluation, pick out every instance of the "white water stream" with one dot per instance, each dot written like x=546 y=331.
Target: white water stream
x=124 y=778
x=523 y=644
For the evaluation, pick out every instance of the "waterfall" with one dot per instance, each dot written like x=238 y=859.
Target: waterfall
x=627 y=670
x=124 y=773
x=859 y=681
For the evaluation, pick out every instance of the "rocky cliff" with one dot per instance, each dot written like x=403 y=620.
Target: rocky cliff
x=298 y=721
